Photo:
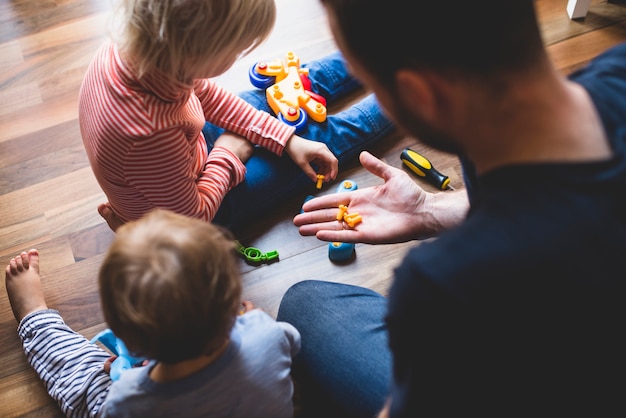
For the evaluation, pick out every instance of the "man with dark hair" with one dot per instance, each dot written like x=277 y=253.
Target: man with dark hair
x=515 y=306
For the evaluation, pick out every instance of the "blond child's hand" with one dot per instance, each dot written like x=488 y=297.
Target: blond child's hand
x=305 y=152
x=236 y=144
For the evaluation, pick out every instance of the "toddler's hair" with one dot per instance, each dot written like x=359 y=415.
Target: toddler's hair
x=170 y=286
x=181 y=37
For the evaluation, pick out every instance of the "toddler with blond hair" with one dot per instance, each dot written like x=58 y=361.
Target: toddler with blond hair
x=161 y=133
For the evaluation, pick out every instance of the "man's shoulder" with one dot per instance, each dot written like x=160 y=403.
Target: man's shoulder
x=611 y=65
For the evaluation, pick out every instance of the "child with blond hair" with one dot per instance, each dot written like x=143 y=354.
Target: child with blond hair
x=170 y=289
x=160 y=133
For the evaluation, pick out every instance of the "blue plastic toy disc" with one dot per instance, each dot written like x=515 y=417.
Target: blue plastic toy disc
x=260 y=81
x=299 y=123
x=340 y=251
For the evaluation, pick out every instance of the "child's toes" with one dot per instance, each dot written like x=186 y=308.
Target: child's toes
x=22 y=261
x=33 y=259
x=12 y=267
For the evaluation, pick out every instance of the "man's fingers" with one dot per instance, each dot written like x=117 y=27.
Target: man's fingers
x=344 y=235
x=374 y=165
x=329 y=201
x=312 y=229
x=321 y=216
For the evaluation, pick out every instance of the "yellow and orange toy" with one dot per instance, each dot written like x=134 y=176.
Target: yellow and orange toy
x=288 y=90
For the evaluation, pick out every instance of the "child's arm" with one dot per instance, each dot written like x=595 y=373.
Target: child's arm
x=174 y=184
x=177 y=175
x=236 y=144
x=224 y=109
x=293 y=336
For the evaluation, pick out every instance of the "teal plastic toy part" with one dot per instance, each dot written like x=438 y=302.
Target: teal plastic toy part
x=342 y=251
x=347 y=186
x=117 y=347
x=306 y=199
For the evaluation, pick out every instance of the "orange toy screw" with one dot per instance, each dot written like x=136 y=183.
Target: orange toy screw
x=320 y=180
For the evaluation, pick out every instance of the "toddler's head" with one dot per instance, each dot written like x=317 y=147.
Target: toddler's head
x=190 y=39
x=170 y=286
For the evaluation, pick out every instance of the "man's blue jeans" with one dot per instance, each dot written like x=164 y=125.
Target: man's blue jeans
x=344 y=366
x=270 y=179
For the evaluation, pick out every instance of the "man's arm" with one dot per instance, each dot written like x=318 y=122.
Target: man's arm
x=397 y=211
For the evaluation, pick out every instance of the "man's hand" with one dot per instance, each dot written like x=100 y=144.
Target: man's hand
x=305 y=152
x=397 y=211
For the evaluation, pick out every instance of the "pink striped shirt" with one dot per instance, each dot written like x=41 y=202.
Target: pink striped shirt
x=144 y=139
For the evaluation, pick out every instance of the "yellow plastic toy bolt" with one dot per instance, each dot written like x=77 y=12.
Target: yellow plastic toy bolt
x=343 y=209
x=352 y=219
x=320 y=180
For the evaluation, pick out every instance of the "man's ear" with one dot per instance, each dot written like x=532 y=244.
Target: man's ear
x=416 y=92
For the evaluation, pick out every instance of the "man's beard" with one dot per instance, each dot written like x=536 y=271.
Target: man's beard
x=421 y=130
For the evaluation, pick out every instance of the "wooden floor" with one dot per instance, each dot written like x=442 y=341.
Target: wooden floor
x=48 y=195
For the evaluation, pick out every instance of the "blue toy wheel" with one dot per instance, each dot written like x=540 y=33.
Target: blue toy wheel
x=260 y=81
x=299 y=123
x=347 y=186
x=340 y=251
x=306 y=199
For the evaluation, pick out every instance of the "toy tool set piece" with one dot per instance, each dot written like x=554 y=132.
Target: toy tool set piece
x=347 y=186
x=343 y=251
x=306 y=199
x=255 y=256
x=340 y=251
x=421 y=166
x=320 y=181
x=352 y=219
x=288 y=91
x=117 y=347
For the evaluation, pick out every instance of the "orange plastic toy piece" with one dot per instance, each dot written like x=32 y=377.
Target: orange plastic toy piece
x=320 y=181
x=343 y=209
x=288 y=94
x=352 y=219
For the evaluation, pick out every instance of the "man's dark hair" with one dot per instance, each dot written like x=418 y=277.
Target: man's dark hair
x=473 y=38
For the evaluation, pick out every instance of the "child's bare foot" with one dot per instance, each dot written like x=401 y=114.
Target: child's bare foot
x=23 y=284
x=104 y=209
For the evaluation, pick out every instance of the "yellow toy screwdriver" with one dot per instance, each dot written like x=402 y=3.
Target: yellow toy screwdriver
x=421 y=166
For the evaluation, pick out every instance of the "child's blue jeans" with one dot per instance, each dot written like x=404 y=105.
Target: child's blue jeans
x=270 y=180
